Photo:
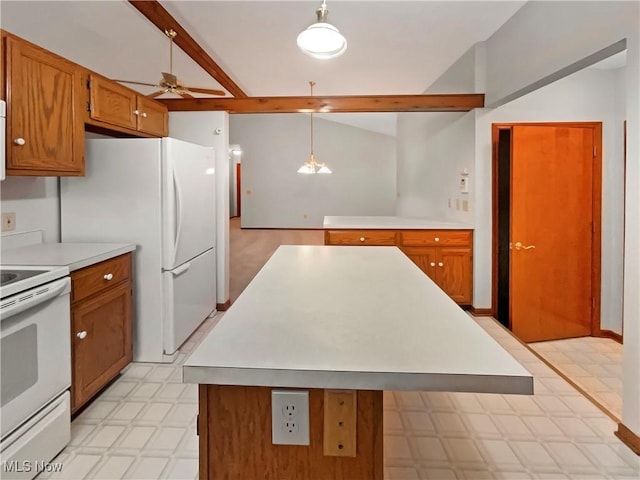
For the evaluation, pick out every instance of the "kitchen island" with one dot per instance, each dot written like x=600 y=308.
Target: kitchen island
x=334 y=322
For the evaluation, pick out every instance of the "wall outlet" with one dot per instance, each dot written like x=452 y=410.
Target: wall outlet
x=8 y=221
x=290 y=417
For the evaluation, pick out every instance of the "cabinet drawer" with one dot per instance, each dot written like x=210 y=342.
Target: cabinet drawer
x=100 y=276
x=360 y=237
x=435 y=238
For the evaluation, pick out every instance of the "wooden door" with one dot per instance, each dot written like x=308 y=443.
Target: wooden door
x=238 y=188
x=45 y=134
x=453 y=266
x=551 y=226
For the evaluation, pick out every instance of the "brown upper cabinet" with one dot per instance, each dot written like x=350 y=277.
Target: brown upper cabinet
x=45 y=136
x=50 y=102
x=114 y=104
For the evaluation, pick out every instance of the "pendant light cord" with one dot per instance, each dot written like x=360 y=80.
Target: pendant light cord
x=311 y=84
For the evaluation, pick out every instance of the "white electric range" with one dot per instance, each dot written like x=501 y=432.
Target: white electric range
x=35 y=366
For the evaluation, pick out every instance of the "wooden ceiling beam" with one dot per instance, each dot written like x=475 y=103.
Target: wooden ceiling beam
x=334 y=104
x=162 y=19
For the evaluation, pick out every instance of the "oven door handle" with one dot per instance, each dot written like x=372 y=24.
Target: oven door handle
x=26 y=300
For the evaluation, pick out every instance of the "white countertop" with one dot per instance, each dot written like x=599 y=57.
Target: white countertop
x=375 y=222
x=351 y=317
x=72 y=255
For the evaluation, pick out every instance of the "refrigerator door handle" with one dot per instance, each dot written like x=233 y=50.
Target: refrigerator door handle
x=181 y=269
x=178 y=213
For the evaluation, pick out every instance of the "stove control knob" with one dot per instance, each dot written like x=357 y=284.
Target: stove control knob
x=81 y=335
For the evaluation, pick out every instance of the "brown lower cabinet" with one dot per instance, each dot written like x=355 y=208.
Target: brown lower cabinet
x=444 y=255
x=449 y=267
x=101 y=326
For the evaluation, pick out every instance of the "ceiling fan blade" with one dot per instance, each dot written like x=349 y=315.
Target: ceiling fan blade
x=207 y=90
x=184 y=94
x=139 y=83
x=170 y=79
x=156 y=94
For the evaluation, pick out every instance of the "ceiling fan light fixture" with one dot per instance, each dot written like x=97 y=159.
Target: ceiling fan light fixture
x=322 y=40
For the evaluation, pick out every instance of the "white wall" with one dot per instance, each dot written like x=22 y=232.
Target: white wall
x=273 y=148
x=201 y=128
x=35 y=201
x=433 y=149
x=545 y=41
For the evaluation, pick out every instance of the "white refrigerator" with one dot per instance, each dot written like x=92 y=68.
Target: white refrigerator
x=160 y=195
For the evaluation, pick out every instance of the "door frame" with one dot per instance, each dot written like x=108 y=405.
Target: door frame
x=596 y=234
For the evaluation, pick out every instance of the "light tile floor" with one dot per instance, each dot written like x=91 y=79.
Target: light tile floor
x=143 y=427
x=594 y=364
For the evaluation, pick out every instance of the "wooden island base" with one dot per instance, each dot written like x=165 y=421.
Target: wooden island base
x=234 y=426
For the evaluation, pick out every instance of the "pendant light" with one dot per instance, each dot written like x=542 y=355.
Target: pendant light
x=311 y=166
x=322 y=40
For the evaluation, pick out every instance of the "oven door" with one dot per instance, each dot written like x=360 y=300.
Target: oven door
x=35 y=351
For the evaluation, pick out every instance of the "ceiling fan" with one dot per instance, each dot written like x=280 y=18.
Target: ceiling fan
x=169 y=82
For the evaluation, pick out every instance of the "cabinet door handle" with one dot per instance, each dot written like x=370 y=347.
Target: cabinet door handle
x=19 y=141
x=362 y=239
x=136 y=112
x=143 y=114
x=108 y=276
x=433 y=264
x=437 y=239
x=440 y=264
x=82 y=335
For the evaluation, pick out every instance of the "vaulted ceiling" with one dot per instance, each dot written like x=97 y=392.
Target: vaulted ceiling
x=394 y=47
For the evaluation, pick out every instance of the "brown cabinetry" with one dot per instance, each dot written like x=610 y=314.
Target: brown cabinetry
x=360 y=237
x=101 y=326
x=43 y=92
x=114 y=104
x=444 y=255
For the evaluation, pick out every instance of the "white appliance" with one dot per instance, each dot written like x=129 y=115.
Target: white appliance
x=3 y=136
x=35 y=329
x=160 y=195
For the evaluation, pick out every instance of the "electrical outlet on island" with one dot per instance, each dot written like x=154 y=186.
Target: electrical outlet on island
x=290 y=417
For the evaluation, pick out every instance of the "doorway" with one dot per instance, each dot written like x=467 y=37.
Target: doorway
x=546 y=221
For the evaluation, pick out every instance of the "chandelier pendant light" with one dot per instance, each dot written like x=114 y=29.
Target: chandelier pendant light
x=322 y=40
x=311 y=166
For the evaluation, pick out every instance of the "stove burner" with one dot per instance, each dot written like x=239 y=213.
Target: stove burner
x=11 y=276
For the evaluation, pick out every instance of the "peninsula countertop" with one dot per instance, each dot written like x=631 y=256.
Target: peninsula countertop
x=394 y=223
x=356 y=318
x=73 y=255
